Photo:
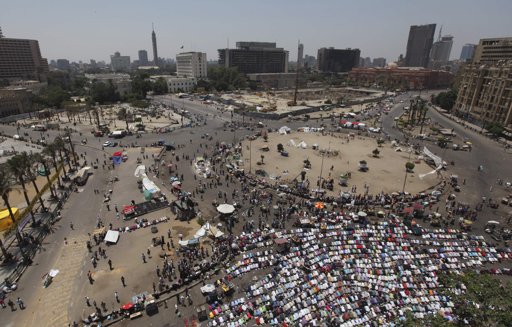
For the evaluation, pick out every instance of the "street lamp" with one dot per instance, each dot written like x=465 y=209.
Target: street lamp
x=405 y=178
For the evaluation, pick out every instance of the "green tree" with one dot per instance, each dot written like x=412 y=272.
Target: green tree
x=51 y=151
x=39 y=159
x=123 y=114
x=31 y=175
x=376 y=153
x=18 y=165
x=226 y=78
x=160 y=86
x=496 y=129
x=103 y=93
x=446 y=100
x=486 y=301
x=141 y=85
x=5 y=189
x=409 y=166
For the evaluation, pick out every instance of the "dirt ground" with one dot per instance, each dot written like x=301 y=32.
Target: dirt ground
x=386 y=173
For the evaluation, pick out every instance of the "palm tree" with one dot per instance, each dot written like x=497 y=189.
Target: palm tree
x=38 y=158
x=61 y=146
x=18 y=165
x=51 y=151
x=31 y=175
x=5 y=189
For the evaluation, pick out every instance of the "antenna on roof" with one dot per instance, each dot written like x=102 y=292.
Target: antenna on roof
x=153 y=27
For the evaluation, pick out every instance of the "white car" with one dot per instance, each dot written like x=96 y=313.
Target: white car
x=107 y=143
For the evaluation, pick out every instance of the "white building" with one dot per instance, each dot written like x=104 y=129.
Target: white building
x=191 y=64
x=178 y=84
x=119 y=63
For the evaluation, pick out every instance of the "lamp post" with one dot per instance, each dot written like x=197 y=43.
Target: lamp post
x=405 y=179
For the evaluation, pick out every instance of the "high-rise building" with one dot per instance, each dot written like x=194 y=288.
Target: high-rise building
x=119 y=63
x=309 y=61
x=143 y=57
x=255 y=57
x=300 y=56
x=485 y=93
x=379 y=62
x=490 y=51
x=468 y=51
x=21 y=59
x=191 y=64
x=419 y=45
x=337 y=60
x=440 y=53
x=63 y=64
x=155 y=51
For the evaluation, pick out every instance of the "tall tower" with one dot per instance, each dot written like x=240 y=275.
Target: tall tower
x=155 y=52
x=300 y=57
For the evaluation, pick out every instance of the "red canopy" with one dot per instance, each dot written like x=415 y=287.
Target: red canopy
x=117 y=154
x=355 y=123
x=128 y=209
x=127 y=306
x=343 y=121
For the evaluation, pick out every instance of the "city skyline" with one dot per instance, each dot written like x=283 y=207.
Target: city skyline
x=95 y=30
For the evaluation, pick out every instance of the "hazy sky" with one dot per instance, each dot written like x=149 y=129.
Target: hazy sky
x=93 y=29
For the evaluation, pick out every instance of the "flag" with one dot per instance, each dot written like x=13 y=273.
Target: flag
x=181 y=47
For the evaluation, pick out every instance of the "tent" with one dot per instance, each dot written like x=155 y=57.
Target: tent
x=208 y=288
x=112 y=236
x=150 y=186
x=140 y=171
x=302 y=145
x=226 y=208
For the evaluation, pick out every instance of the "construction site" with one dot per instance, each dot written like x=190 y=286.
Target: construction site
x=288 y=101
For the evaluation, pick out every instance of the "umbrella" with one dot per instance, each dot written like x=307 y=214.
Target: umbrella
x=117 y=154
x=226 y=208
x=176 y=184
x=362 y=214
x=493 y=222
x=468 y=222
x=319 y=205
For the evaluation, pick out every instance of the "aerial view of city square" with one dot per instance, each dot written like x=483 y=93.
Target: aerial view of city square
x=268 y=163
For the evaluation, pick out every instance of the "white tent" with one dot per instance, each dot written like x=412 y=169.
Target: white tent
x=302 y=145
x=140 y=171
x=292 y=142
x=226 y=208
x=112 y=236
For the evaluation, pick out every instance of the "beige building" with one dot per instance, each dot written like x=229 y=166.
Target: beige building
x=490 y=51
x=14 y=101
x=485 y=94
x=277 y=80
x=191 y=64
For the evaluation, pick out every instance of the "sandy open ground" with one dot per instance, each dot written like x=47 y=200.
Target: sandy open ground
x=386 y=172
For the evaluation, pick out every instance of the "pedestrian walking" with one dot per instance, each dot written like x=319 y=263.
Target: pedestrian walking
x=20 y=303
x=110 y=264
x=115 y=208
x=11 y=304
x=143 y=258
x=71 y=226
x=116 y=296
x=87 y=301
x=123 y=281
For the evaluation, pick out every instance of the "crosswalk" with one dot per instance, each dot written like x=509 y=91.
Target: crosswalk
x=53 y=302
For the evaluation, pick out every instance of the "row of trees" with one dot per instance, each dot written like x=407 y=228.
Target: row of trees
x=24 y=168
